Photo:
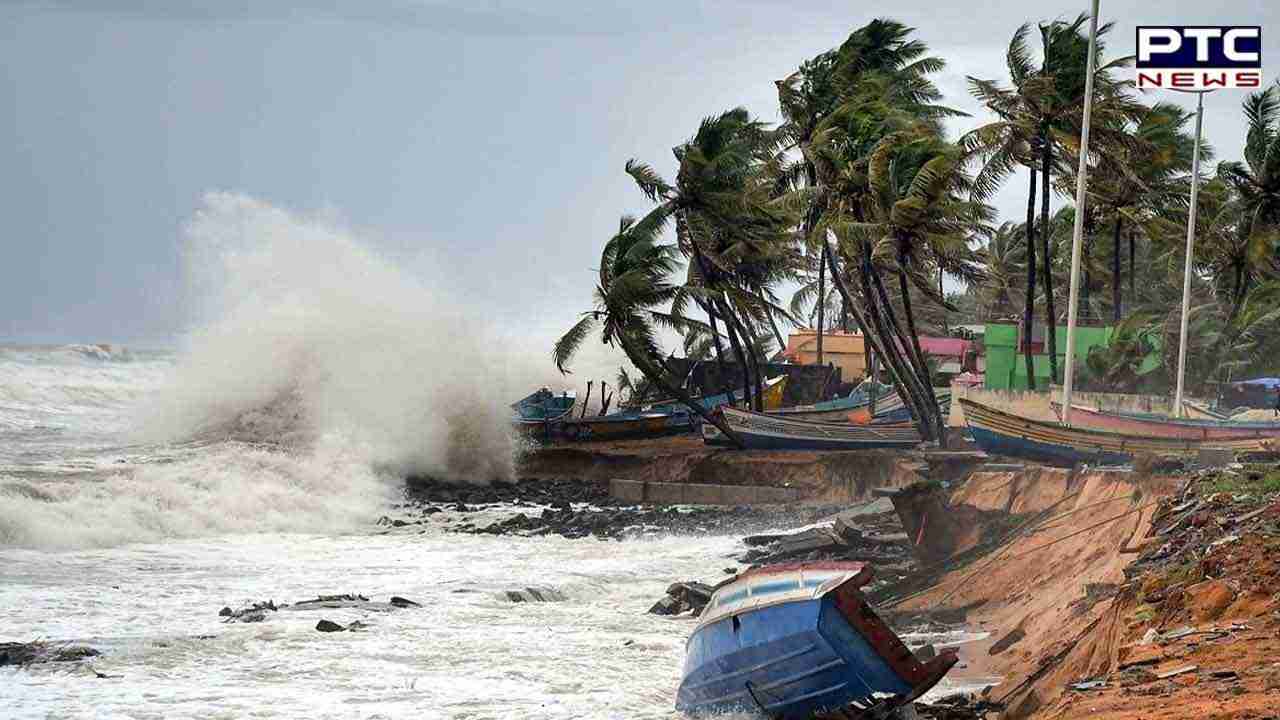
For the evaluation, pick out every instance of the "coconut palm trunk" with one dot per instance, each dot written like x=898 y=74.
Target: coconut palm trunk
x=1046 y=252
x=1133 y=266
x=1028 y=312
x=822 y=297
x=872 y=333
x=894 y=343
x=1115 y=270
x=736 y=344
x=919 y=372
x=931 y=399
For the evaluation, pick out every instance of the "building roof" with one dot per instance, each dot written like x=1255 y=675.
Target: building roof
x=945 y=346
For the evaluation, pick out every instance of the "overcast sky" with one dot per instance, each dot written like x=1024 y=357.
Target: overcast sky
x=480 y=140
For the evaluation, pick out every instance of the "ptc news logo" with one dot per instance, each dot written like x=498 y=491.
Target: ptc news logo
x=1199 y=57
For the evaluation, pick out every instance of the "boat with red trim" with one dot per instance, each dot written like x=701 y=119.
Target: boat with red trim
x=798 y=639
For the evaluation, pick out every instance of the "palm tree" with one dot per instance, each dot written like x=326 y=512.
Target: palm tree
x=1146 y=179
x=732 y=227
x=1036 y=127
x=1004 y=259
x=1256 y=181
x=634 y=276
x=916 y=220
x=876 y=83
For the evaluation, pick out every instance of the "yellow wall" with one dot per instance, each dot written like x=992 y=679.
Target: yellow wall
x=846 y=351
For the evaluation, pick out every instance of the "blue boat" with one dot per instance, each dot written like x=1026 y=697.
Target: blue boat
x=544 y=405
x=798 y=639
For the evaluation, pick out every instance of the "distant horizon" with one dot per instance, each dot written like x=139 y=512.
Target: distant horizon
x=470 y=146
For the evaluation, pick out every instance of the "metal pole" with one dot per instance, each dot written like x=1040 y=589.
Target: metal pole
x=1077 y=235
x=1191 y=243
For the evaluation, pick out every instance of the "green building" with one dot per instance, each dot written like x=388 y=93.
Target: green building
x=1006 y=369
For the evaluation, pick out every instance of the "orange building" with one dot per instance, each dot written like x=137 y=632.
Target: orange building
x=847 y=351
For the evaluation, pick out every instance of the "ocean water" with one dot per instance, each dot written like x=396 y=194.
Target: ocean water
x=143 y=490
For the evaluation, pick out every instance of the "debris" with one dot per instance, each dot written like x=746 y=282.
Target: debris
x=683 y=597
x=1175 y=673
x=1088 y=685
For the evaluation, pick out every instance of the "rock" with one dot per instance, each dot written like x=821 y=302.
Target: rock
x=329 y=626
x=14 y=653
x=254 y=613
x=403 y=603
x=398 y=523
x=667 y=606
x=355 y=625
x=926 y=652
x=534 y=594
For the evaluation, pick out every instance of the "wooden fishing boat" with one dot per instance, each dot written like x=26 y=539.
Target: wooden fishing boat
x=545 y=405
x=1002 y=433
x=836 y=410
x=769 y=432
x=1185 y=428
x=536 y=414
x=892 y=410
x=624 y=425
x=771 y=397
x=792 y=641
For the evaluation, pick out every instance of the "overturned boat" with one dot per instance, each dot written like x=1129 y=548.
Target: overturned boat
x=798 y=639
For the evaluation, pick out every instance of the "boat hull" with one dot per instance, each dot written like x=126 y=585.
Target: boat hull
x=1001 y=433
x=1171 y=427
x=758 y=431
x=794 y=646
x=640 y=426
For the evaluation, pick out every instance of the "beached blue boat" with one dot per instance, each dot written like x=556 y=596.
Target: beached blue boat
x=836 y=410
x=536 y=414
x=794 y=640
x=544 y=405
x=771 y=394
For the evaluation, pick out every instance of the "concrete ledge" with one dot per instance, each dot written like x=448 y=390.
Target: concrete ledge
x=699 y=493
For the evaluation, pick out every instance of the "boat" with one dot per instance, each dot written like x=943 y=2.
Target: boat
x=536 y=414
x=1185 y=428
x=771 y=398
x=622 y=425
x=759 y=431
x=1001 y=433
x=791 y=641
x=836 y=410
x=545 y=405
x=892 y=410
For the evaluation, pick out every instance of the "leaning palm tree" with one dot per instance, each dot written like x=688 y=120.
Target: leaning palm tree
x=733 y=229
x=813 y=102
x=635 y=283
x=918 y=220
